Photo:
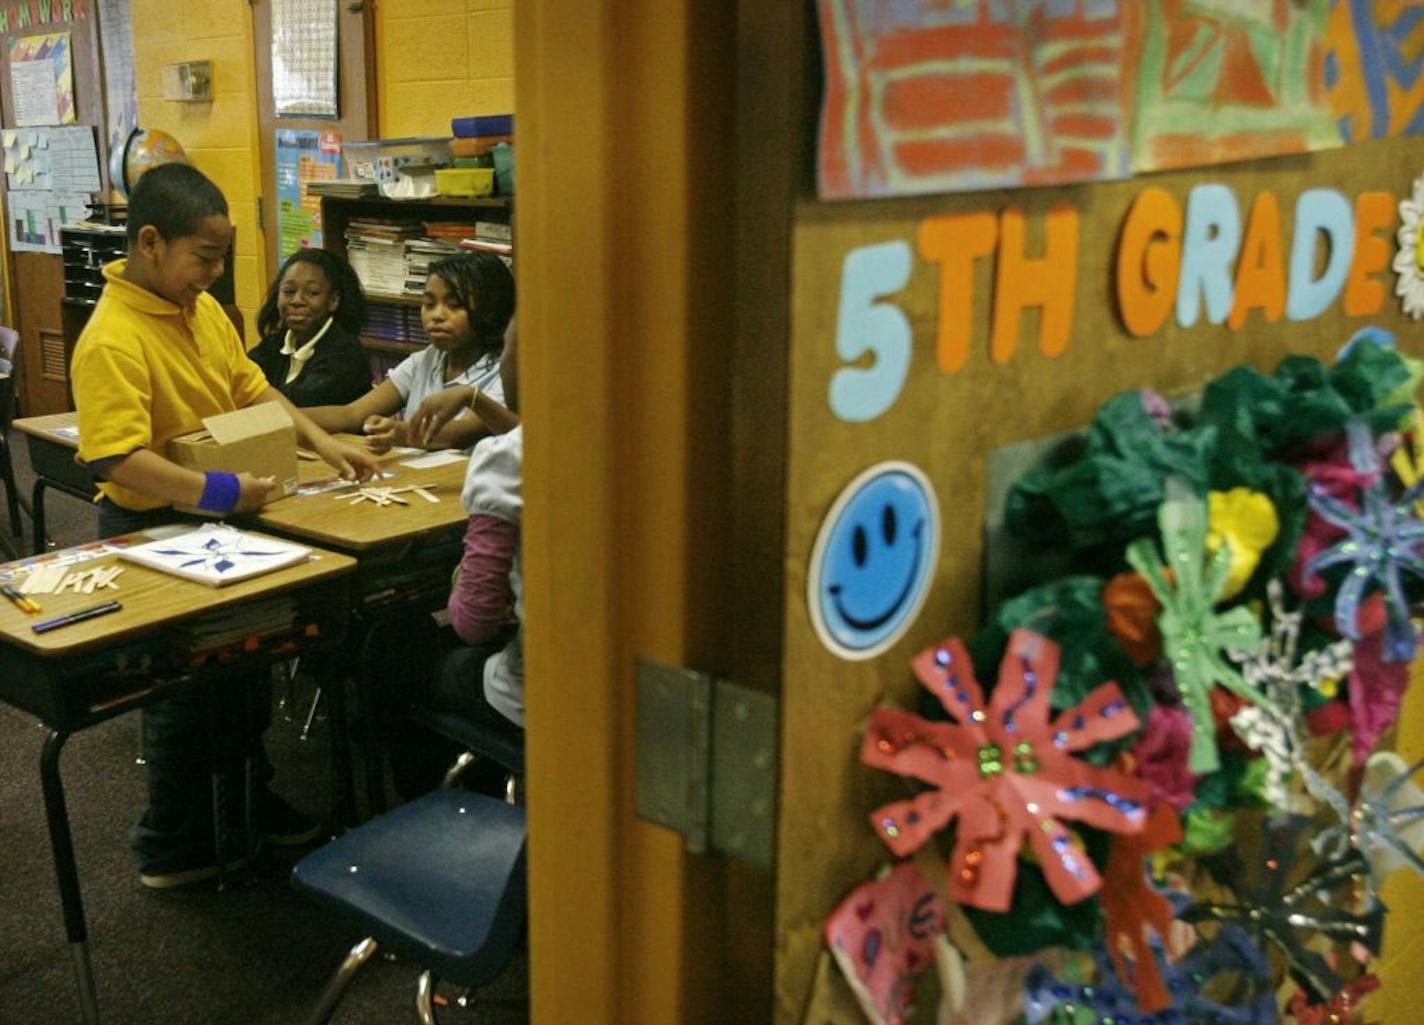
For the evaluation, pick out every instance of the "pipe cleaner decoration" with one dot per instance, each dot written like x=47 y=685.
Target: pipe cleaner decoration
x=1385 y=830
x=1382 y=541
x=1287 y=917
x=1109 y=1001
x=1276 y=730
x=1005 y=772
x=1194 y=634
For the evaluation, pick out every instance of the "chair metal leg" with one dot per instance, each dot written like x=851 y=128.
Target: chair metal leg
x=12 y=490
x=425 y=999
x=311 y=714
x=336 y=988
x=37 y=514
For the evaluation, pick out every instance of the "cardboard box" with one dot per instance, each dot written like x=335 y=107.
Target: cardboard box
x=261 y=440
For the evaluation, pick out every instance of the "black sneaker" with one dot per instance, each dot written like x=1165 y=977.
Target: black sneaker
x=187 y=866
x=282 y=825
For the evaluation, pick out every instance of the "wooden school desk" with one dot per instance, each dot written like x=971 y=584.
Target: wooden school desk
x=404 y=557
x=74 y=677
x=52 y=441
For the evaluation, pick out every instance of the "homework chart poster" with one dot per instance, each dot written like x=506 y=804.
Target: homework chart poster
x=926 y=97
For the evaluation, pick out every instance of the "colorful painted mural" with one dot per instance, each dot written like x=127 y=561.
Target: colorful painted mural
x=955 y=95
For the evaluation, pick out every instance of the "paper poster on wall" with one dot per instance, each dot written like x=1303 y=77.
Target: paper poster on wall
x=304 y=58
x=35 y=218
x=303 y=157
x=120 y=85
x=979 y=94
x=42 y=80
x=51 y=159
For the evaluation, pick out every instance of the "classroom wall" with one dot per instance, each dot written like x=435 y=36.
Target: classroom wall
x=220 y=137
x=439 y=59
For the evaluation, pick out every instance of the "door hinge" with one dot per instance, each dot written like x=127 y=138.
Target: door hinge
x=706 y=761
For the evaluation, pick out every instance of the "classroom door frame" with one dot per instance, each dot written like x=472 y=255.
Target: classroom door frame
x=356 y=104
x=662 y=146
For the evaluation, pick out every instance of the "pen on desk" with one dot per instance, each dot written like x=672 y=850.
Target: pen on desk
x=45 y=625
x=17 y=599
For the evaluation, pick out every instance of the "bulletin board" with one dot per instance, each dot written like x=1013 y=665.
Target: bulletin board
x=966 y=392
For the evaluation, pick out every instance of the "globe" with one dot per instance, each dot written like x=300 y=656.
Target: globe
x=143 y=150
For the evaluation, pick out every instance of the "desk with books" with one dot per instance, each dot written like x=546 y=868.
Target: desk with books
x=159 y=640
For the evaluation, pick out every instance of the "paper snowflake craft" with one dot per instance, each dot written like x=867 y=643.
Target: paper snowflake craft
x=1004 y=772
x=1384 y=540
x=1231 y=951
x=221 y=552
x=1194 y=635
x=1276 y=730
x=1385 y=829
x=1134 y=909
x=1290 y=917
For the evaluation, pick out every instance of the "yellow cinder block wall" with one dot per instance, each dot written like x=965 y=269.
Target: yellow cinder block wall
x=439 y=59
x=220 y=137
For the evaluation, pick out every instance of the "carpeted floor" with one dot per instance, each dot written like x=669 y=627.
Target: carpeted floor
x=253 y=954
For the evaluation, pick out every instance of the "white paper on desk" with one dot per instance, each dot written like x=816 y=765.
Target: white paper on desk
x=442 y=458
x=216 y=554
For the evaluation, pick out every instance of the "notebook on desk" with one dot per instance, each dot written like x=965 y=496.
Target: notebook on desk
x=216 y=554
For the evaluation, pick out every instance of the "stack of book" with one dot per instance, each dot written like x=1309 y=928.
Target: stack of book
x=393 y=322
x=344 y=188
x=376 y=250
x=419 y=255
x=492 y=237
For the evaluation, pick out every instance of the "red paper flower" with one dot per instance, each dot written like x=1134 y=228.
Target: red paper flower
x=1004 y=772
x=1132 y=907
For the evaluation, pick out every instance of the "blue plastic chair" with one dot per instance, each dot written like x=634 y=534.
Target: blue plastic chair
x=440 y=881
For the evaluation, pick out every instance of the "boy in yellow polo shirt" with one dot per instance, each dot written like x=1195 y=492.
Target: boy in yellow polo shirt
x=157 y=356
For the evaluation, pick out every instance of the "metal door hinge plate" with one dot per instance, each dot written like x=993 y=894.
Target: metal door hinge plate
x=706 y=761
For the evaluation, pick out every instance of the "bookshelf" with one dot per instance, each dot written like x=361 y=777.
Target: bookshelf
x=393 y=330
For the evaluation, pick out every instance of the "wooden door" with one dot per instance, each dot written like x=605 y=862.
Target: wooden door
x=38 y=277
x=356 y=102
x=636 y=540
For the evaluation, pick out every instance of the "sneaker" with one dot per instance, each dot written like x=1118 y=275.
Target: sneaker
x=187 y=866
x=282 y=825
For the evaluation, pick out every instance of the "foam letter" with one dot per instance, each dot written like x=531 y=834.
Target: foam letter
x=1261 y=272
x=864 y=326
x=1209 y=245
x=1319 y=210
x=955 y=242
x=1049 y=283
x=1149 y=261
x=1363 y=295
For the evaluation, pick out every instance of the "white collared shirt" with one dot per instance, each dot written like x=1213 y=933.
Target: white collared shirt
x=299 y=357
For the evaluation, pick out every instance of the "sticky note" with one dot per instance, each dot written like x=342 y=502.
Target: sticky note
x=42 y=142
x=9 y=165
x=25 y=152
x=9 y=137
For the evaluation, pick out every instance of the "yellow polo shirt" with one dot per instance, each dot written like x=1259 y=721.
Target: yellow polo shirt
x=146 y=370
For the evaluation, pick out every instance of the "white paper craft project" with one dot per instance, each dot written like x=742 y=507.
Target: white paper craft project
x=434 y=459
x=216 y=554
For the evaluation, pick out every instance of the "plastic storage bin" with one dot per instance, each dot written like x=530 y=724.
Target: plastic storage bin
x=464 y=181
x=381 y=160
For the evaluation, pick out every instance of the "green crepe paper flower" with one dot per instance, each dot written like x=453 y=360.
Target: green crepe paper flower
x=1194 y=635
x=1206 y=830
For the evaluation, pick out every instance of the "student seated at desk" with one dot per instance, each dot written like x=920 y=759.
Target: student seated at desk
x=482 y=678
x=309 y=324
x=157 y=356
x=467 y=304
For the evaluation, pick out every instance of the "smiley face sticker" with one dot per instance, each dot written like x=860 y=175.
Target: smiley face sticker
x=873 y=560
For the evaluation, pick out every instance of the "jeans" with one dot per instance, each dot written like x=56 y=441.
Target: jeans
x=195 y=737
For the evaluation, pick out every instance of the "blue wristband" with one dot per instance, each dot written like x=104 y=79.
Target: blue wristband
x=220 y=492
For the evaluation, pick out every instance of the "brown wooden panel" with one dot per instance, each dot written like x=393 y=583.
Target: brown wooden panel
x=946 y=424
x=39 y=285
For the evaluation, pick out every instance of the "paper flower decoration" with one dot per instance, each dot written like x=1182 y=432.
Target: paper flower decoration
x=882 y=937
x=1276 y=731
x=1004 y=772
x=1382 y=542
x=1109 y=1001
x=1343 y=1008
x=1133 y=906
x=1409 y=261
x=1194 y=634
x=1292 y=917
x=1161 y=756
x=1246 y=522
x=1386 y=828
